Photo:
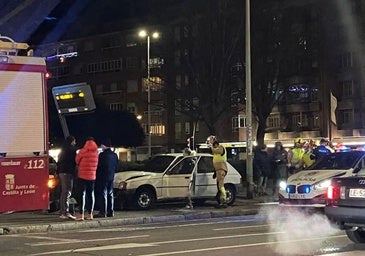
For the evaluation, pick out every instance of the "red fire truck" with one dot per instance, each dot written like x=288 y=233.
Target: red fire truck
x=24 y=129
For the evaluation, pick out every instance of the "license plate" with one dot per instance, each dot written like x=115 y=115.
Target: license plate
x=357 y=192
x=297 y=196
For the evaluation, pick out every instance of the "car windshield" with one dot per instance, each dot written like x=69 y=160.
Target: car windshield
x=338 y=161
x=159 y=163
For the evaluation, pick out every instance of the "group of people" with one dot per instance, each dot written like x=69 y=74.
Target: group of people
x=280 y=163
x=93 y=174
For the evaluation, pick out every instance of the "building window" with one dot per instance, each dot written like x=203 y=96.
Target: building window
x=130 y=40
x=316 y=120
x=178 y=133
x=155 y=82
x=273 y=121
x=157 y=129
x=346 y=60
x=104 y=66
x=89 y=46
x=110 y=42
x=177 y=34
x=177 y=57
x=346 y=116
x=238 y=122
x=347 y=88
x=187 y=127
x=131 y=108
x=132 y=86
x=131 y=63
x=300 y=120
x=116 y=106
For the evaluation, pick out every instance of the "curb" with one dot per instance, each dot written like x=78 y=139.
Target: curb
x=72 y=225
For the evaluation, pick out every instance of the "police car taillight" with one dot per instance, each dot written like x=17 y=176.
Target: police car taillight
x=333 y=192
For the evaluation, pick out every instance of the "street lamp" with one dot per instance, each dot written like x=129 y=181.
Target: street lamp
x=144 y=33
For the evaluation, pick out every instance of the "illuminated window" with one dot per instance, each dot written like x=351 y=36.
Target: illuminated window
x=117 y=106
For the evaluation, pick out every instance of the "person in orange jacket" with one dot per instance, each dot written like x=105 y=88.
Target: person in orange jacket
x=87 y=161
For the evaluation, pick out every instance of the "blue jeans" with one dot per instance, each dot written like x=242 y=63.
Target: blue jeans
x=106 y=197
x=66 y=191
x=87 y=197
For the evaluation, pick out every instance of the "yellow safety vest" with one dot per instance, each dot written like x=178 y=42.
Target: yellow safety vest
x=217 y=157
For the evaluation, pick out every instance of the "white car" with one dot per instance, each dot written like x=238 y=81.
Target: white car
x=165 y=178
x=309 y=187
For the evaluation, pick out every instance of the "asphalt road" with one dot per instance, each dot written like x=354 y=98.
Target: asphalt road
x=240 y=235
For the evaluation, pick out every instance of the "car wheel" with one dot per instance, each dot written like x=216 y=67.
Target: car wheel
x=144 y=199
x=357 y=236
x=230 y=193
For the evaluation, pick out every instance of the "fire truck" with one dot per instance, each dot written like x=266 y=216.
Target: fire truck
x=24 y=160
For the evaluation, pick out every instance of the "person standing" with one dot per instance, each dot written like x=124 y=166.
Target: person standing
x=220 y=167
x=295 y=157
x=87 y=161
x=107 y=165
x=188 y=168
x=279 y=157
x=263 y=163
x=66 y=167
x=321 y=150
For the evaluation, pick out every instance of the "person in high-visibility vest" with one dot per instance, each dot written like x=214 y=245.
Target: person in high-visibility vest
x=295 y=156
x=220 y=167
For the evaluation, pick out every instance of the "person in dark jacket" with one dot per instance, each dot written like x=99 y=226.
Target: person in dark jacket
x=263 y=164
x=66 y=167
x=107 y=165
x=279 y=158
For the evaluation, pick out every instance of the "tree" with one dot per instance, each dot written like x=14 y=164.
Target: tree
x=214 y=32
x=122 y=128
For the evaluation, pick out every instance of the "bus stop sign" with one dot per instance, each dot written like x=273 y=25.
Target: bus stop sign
x=73 y=98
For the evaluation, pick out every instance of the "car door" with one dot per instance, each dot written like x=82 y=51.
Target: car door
x=205 y=185
x=175 y=182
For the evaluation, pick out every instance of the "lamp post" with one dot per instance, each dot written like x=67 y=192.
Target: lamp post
x=249 y=161
x=144 y=33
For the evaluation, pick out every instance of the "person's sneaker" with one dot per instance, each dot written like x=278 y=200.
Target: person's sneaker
x=110 y=214
x=89 y=216
x=189 y=206
x=80 y=217
x=70 y=216
x=63 y=217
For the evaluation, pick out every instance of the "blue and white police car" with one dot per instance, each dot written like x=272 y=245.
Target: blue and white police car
x=308 y=188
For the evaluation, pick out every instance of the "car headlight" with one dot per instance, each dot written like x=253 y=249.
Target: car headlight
x=122 y=185
x=282 y=185
x=324 y=184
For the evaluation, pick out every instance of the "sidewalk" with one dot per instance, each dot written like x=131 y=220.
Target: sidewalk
x=42 y=221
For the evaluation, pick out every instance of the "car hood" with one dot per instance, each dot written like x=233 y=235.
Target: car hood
x=125 y=176
x=313 y=176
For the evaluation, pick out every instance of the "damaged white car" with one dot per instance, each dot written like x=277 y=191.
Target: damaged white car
x=164 y=178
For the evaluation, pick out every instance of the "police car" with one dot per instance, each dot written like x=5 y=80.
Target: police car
x=309 y=187
x=164 y=178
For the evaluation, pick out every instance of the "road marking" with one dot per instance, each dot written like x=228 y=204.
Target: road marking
x=138 y=245
x=73 y=241
x=99 y=248
x=236 y=246
x=244 y=227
